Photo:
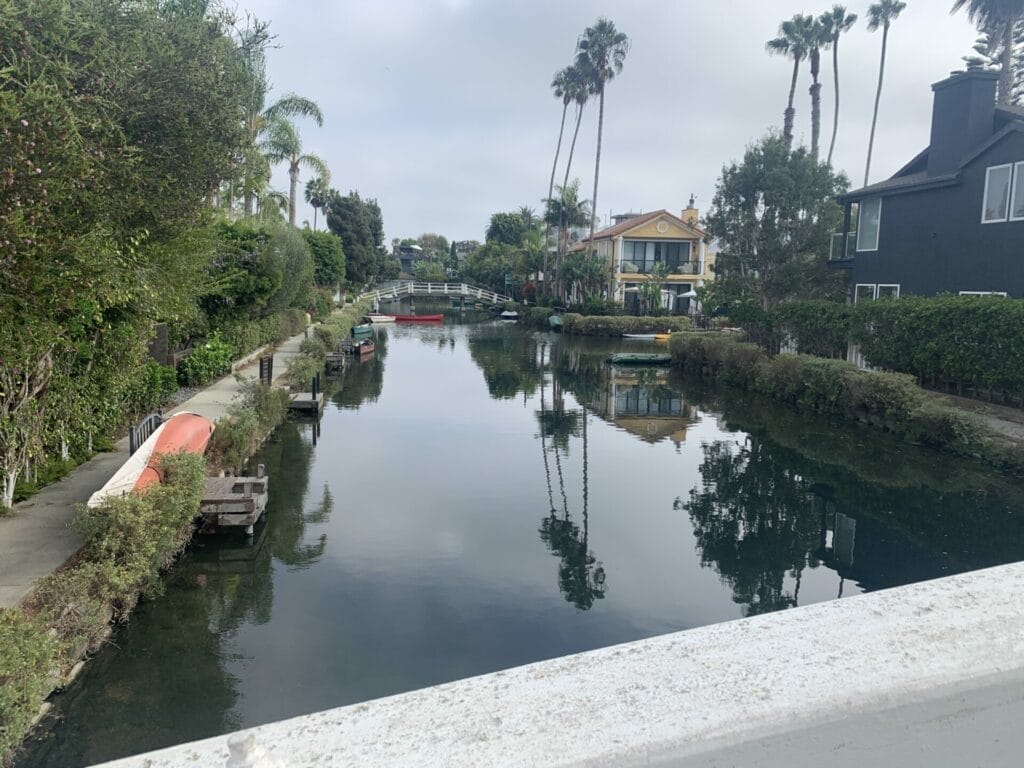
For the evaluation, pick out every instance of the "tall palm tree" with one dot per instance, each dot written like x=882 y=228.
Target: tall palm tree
x=793 y=41
x=819 y=37
x=881 y=14
x=1000 y=16
x=317 y=190
x=561 y=87
x=580 y=88
x=283 y=145
x=836 y=22
x=602 y=52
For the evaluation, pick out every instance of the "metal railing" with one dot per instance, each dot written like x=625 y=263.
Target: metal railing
x=412 y=288
x=139 y=433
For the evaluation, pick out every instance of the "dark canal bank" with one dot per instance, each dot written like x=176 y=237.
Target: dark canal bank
x=480 y=497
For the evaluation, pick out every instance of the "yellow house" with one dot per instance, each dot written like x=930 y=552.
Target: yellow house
x=635 y=245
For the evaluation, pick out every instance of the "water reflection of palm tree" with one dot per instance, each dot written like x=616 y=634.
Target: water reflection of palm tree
x=581 y=578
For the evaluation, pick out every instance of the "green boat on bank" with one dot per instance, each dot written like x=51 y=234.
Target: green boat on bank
x=640 y=358
x=362 y=331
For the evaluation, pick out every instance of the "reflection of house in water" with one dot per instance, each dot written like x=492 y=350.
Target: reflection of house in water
x=641 y=402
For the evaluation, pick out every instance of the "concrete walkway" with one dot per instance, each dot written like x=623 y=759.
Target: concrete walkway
x=37 y=537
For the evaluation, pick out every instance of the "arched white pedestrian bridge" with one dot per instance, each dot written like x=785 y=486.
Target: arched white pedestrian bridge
x=402 y=289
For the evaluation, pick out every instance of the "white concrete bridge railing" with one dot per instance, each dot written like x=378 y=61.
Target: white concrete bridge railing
x=924 y=675
x=411 y=288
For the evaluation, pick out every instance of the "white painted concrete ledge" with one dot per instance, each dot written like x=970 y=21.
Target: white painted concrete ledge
x=695 y=697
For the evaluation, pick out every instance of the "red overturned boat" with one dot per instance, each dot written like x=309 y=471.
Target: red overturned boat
x=184 y=432
x=419 y=318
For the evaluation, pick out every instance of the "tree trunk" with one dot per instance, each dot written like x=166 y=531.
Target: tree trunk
x=572 y=147
x=249 y=199
x=314 y=218
x=293 y=178
x=815 y=92
x=1006 y=75
x=878 y=98
x=551 y=191
x=10 y=479
x=597 y=167
x=790 y=113
x=835 y=114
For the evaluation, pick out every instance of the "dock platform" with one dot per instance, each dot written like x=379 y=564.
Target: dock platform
x=306 y=403
x=233 y=502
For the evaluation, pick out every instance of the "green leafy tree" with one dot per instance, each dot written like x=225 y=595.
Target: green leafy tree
x=774 y=214
x=360 y=226
x=434 y=246
x=565 y=211
x=507 y=228
x=429 y=271
x=794 y=41
x=328 y=258
x=835 y=22
x=881 y=14
x=602 y=52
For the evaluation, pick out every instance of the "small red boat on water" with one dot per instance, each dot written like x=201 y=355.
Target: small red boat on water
x=419 y=318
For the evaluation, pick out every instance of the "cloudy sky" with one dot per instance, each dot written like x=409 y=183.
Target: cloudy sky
x=442 y=109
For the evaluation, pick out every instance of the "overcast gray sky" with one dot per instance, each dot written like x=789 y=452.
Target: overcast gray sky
x=442 y=109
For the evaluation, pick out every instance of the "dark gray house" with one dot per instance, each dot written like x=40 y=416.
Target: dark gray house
x=952 y=219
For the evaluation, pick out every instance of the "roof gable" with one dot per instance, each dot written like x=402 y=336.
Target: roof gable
x=649 y=225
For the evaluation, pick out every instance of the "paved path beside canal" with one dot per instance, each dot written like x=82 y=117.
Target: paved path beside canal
x=37 y=537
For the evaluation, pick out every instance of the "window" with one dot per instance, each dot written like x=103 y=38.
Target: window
x=871 y=291
x=1017 y=197
x=642 y=256
x=997 y=194
x=983 y=293
x=869 y=219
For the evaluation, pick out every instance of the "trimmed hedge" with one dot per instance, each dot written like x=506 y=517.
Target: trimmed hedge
x=616 y=325
x=835 y=388
x=966 y=341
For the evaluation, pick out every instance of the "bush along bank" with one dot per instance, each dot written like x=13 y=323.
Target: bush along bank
x=616 y=325
x=323 y=339
x=129 y=542
x=835 y=388
x=970 y=344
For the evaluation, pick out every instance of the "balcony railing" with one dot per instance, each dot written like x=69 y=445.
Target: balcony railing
x=646 y=268
x=835 y=251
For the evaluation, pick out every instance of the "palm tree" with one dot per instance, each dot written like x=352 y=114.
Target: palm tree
x=602 y=52
x=561 y=85
x=580 y=87
x=836 y=22
x=998 y=16
x=565 y=210
x=283 y=145
x=881 y=14
x=317 y=190
x=819 y=37
x=793 y=41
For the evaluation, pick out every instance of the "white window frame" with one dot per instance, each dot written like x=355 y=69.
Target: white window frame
x=872 y=286
x=880 y=286
x=1014 y=175
x=984 y=198
x=984 y=293
x=878 y=229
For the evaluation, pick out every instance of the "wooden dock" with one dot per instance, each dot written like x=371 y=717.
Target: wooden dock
x=233 y=502
x=306 y=403
x=335 y=362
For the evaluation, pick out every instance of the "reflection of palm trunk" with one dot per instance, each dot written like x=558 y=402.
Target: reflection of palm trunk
x=586 y=485
x=561 y=482
x=543 y=429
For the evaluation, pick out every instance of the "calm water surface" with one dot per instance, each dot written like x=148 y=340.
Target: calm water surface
x=479 y=497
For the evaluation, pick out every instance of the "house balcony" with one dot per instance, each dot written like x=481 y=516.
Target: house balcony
x=647 y=268
x=837 y=259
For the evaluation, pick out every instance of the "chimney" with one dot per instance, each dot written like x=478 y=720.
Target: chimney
x=963 y=113
x=690 y=213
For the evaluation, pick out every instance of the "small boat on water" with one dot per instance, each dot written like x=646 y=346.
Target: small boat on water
x=188 y=432
x=362 y=348
x=419 y=318
x=362 y=331
x=555 y=322
x=640 y=358
x=508 y=314
x=377 y=318
x=647 y=336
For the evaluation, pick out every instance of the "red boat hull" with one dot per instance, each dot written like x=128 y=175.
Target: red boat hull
x=419 y=318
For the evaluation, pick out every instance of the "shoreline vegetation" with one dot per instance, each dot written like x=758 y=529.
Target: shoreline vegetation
x=129 y=543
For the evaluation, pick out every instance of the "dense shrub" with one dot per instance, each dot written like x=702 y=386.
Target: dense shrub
x=27 y=659
x=608 y=325
x=154 y=386
x=258 y=410
x=834 y=388
x=207 y=362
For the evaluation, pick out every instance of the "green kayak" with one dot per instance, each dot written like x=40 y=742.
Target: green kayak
x=362 y=331
x=639 y=358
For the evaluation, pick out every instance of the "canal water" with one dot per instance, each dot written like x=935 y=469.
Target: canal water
x=477 y=496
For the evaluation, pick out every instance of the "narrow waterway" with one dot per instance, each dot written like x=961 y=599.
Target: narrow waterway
x=478 y=496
